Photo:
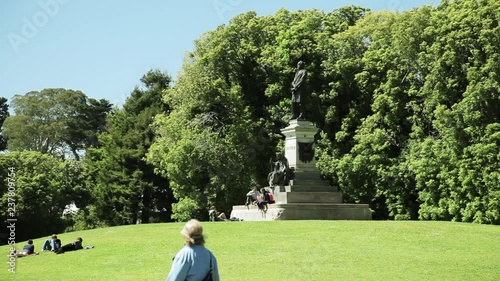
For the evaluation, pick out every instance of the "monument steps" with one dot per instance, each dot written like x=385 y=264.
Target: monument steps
x=310 y=188
x=310 y=197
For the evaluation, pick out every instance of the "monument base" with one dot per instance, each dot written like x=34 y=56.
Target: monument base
x=307 y=196
x=304 y=211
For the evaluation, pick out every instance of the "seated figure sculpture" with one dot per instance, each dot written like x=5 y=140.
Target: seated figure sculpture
x=281 y=173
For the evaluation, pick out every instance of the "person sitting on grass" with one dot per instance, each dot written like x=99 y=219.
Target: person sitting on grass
x=28 y=249
x=73 y=246
x=213 y=215
x=51 y=245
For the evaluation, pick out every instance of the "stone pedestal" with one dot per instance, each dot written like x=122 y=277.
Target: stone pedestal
x=307 y=197
x=299 y=145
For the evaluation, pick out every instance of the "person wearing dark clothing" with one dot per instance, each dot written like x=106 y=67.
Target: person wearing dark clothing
x=214 y=215
x=299 y=91
x=28 y=249
x=73 y=246
x=279 y=175
x=265 y=200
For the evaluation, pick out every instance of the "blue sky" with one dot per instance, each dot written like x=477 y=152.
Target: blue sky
x=104 y=47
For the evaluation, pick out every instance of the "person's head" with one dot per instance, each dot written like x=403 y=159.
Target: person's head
x=54 y=236
x=254 y=188
x=79 y=239
x=30 y=242
x=193 y=233
x=212 y=208
x=301 y=64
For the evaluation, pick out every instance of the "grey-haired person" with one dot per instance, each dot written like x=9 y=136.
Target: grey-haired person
x=193 y=262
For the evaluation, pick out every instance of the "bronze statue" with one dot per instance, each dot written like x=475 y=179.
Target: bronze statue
x=299 y=91
x=281 y=173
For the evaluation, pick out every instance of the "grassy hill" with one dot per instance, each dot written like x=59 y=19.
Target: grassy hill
x=279 y=250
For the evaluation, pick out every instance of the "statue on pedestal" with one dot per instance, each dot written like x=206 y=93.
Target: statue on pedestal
x=299 y=91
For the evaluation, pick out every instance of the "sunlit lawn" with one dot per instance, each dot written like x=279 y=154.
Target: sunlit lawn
x=279 y=250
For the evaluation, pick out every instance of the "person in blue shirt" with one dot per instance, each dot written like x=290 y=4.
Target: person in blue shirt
x=193 y=262
x=28 y=249
x=51 y=245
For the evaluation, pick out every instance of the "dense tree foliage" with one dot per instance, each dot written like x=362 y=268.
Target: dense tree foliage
x=55 y=121
x=124 y=187
x=4 y=113
x=406 y=103
x=430 y=81
x=41 y=186
x=230 y=101
x=407 y=106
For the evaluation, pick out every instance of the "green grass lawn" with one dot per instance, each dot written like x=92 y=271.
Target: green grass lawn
x=279 y=250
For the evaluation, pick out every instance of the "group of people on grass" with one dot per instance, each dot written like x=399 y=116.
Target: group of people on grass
x=52 y=245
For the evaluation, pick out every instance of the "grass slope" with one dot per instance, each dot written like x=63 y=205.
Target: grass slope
x=279 y=250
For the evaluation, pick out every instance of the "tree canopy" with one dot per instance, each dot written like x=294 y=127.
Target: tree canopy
x=230 y=101
x=40 y=187
x=4 y=113
x=406 y=103
x=125 y=188
x=55 y=121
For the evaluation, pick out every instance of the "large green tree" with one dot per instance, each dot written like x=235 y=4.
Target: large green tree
x=4 y=113
x=406 y=103
x=55 y=121
x=377 y=74
x=39 y=187
x=125 y=187
x=430 y=79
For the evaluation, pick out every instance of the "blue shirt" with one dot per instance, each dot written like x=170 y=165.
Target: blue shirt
x=192 y=263
x=29 y=248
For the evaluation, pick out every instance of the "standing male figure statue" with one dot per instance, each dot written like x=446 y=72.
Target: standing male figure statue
x=299 y=91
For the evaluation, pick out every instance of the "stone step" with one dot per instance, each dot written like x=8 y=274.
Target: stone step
x=304 y=205
x=317 y=181
x=307 y=176
x=305 y=167
x=252 y=213
x=308 y=197
x=310 y=188
x=253 y=207
x=304 y=211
